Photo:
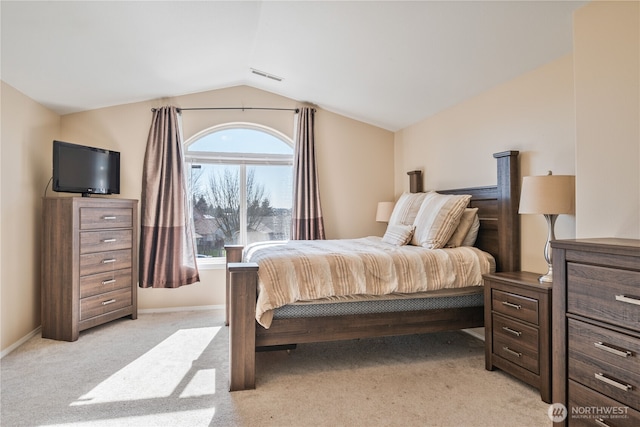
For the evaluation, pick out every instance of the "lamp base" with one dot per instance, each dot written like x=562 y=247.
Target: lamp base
x=551 y=222
x=547 y=278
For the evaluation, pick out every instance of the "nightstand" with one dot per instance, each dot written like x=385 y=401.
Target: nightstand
x=517 y=325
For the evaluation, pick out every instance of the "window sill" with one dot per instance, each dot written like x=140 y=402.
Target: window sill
x=211 y=263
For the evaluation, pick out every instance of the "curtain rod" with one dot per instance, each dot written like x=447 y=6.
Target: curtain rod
x=296 y=110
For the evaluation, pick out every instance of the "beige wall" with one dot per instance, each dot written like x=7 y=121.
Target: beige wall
x=27 y=132
x=577 y=115
x=533 y=114
x=351 y=183
x=607 y=58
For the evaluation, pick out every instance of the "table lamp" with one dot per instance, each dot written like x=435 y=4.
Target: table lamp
x=549 y=195
x=384 y=211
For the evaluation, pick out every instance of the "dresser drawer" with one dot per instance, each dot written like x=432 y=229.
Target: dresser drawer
x=515 y=332
x=515 y=305
x=100 y=241
x=599 y=343
x=96 y=218
x=517 y=353
x=588 y=408
x=104 y=282
x=605 y=378
x=101 y=262
x=105 y=303
x=605 y=294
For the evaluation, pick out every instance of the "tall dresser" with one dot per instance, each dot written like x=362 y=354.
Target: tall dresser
x=89 y=263
x=596 y=331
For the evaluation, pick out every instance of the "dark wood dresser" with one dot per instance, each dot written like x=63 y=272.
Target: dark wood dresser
x=89 y=263
x=517 y=327
x=596 y=337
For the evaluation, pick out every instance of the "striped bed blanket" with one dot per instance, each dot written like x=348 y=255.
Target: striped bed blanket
x=314 y=269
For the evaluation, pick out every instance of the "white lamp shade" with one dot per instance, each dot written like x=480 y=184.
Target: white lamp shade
x=548 y=194
x=384 y=211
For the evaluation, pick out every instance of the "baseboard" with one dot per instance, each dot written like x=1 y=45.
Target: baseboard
x=475 y=332
x=172 y=309
x=21 y=341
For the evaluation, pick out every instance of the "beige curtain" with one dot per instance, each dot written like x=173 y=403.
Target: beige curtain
x=167 y=250
x=306 y=217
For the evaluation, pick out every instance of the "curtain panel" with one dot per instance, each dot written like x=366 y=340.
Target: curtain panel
x=306 y=216
x=167 y=246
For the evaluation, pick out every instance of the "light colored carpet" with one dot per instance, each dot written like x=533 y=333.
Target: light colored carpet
x=171 y=369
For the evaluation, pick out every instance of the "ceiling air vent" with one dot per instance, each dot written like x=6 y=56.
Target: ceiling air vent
x=267 y=75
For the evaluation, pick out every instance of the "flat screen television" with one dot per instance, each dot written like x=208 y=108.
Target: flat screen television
x=84 y=169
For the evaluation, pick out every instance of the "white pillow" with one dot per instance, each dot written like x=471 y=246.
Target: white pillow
x=406 y=208
x=472 y=235
x=438 y=218
x=461 y=232
x=398 y=234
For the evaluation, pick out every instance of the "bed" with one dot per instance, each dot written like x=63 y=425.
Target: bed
x=334 y=319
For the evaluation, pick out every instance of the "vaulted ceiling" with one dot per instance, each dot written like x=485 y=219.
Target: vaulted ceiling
x=387 y=63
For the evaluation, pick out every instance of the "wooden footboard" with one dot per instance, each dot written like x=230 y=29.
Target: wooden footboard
x=245 y=335
x=499 y=235
x=243 y=279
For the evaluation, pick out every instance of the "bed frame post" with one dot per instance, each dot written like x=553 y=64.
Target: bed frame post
x=233 y=254
x=508 y=201
x=243 y=284
x=415 y=181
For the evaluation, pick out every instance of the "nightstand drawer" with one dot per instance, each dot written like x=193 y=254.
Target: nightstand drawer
x=604 y=294
x=586 y=406
x=517 y=353
x=515 y=305
x=515 y=332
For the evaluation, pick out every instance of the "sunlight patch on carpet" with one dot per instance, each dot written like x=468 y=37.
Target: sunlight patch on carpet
x=169 y=369
x=202 y=384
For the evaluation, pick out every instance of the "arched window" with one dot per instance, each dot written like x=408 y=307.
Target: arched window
x=240 y=180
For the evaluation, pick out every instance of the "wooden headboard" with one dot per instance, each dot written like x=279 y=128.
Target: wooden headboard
x=497 y=205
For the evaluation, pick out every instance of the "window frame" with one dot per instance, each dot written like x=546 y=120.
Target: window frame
x=236 y=159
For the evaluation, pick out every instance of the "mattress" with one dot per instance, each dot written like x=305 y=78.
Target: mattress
x=298 y=271
x=472 y=296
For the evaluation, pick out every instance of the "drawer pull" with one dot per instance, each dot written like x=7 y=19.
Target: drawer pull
x=108 y=261
x=512 y=305
x=605 y=379
x=109 y=301
x=511 y=331
x=621 y=353
x=108 y=240
x=628 y=299
x=108 y=282
x=109 y=218
x=601 y=422
x=515 y=353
